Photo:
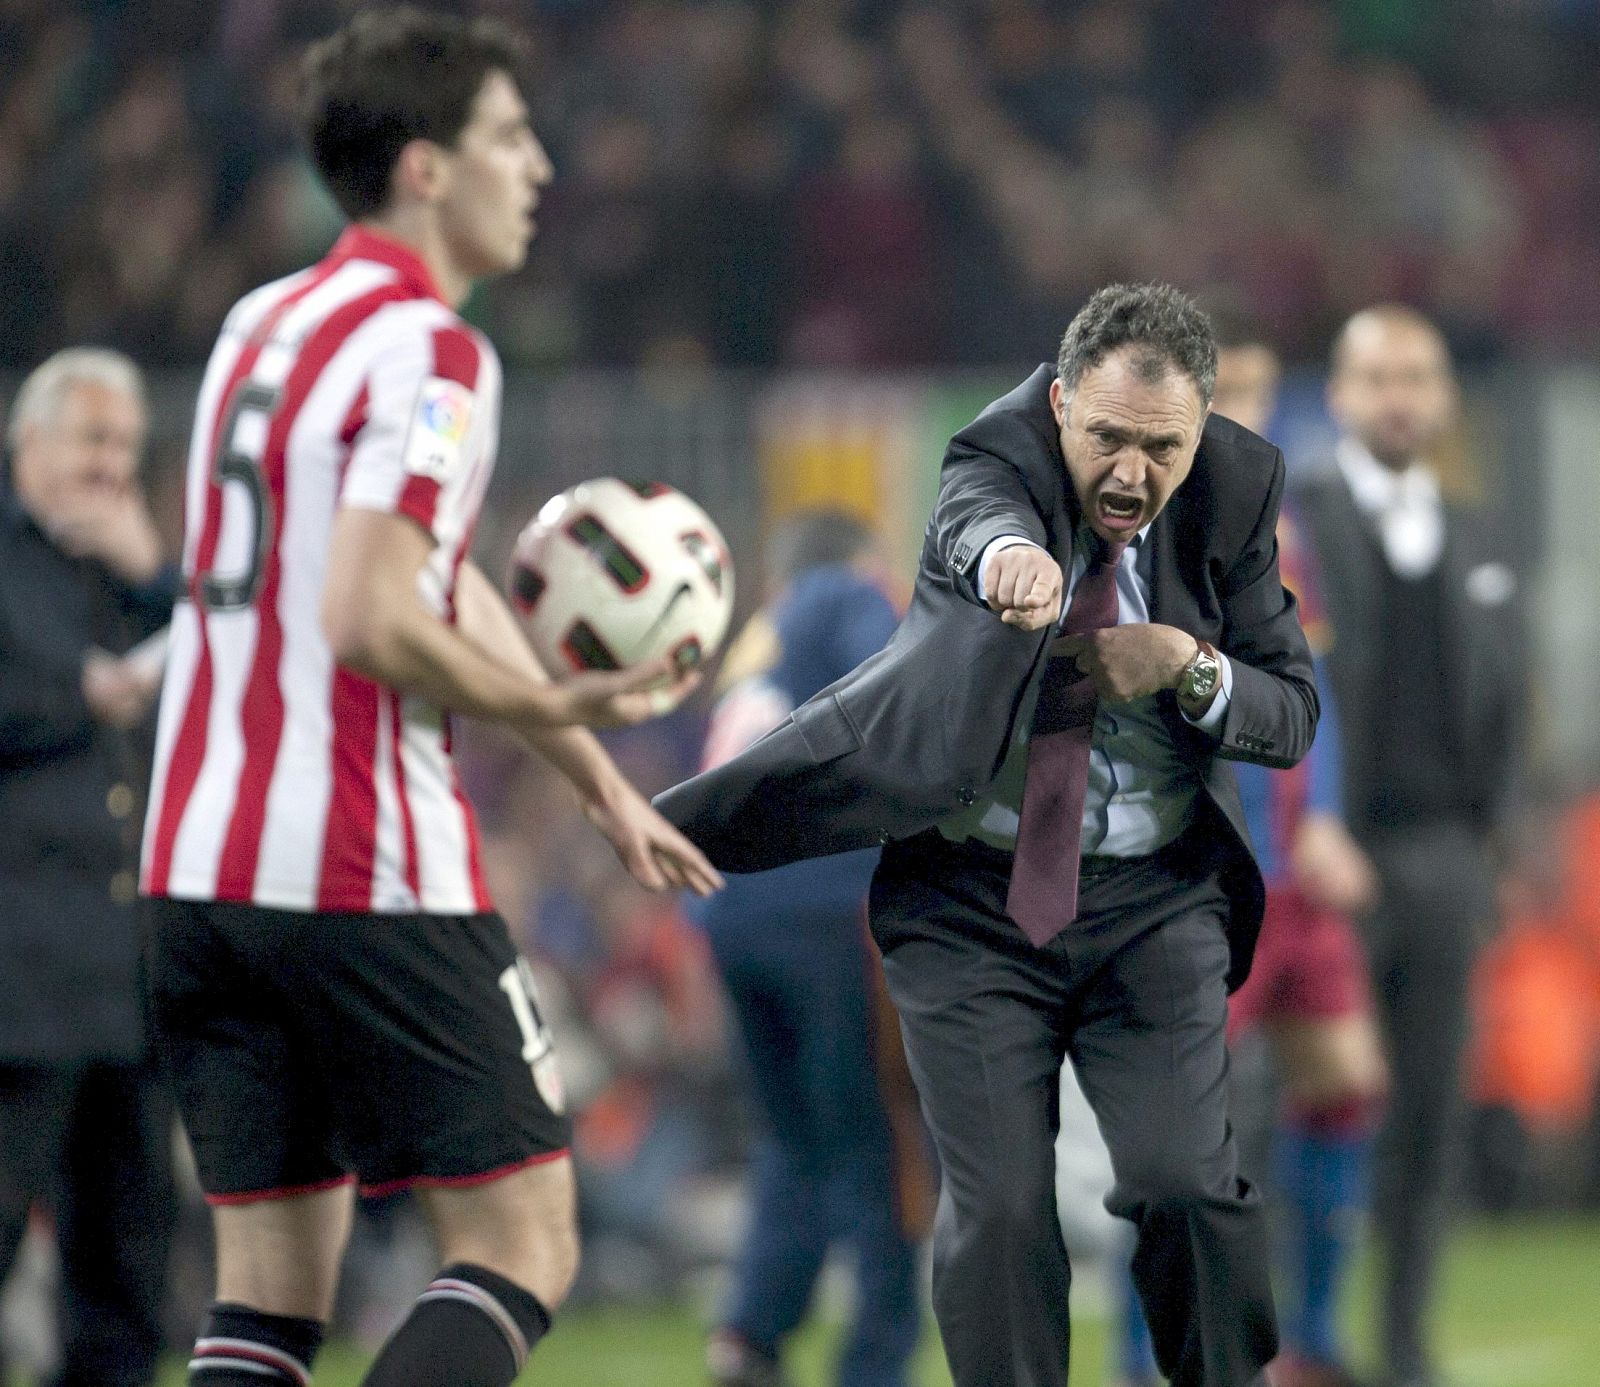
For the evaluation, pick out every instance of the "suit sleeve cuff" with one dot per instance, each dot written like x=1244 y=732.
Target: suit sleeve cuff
x=996 y=544
x=1211 y=720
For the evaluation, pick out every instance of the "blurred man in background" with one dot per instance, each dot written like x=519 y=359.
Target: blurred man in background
x=1429 y=669
x=85 y=1130
x=794 y=953
x=1308 y=989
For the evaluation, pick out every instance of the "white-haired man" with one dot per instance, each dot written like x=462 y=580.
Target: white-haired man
x=83 y=1128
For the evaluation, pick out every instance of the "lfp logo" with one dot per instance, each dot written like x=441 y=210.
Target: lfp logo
x=445 y=413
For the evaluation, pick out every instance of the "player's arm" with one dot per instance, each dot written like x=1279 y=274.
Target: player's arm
x=654 y=851
x=1328 y=863
x=377 y=624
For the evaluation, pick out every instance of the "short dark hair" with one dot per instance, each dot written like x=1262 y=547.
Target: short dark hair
x=814 y=537
x=1168 y=327
x=389 y=77
x=1233 y=328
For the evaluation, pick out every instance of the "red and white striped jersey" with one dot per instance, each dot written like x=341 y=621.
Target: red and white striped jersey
x=282 y=779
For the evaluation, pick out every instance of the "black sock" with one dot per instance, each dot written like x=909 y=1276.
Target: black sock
x=241 y=1347
x=469 y=1328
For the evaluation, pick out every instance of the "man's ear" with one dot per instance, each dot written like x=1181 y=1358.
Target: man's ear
x=419 y=172
x=1058 y=402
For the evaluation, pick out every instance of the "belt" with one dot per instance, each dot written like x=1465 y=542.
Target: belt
x=1091 y=866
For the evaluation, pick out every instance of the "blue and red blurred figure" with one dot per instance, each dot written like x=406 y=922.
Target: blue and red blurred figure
x=1307 y=989
x=839 y=1160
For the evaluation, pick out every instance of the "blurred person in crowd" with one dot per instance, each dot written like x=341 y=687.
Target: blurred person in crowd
x=647 y=1137
x=1534 y=1055
x=1067 y=869
x=1429 y=667
x=794 y=954
x=1307 y=989
x=85 y=1128
x=330 y=986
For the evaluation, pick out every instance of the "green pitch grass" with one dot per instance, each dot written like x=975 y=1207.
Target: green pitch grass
x=1521 y=1308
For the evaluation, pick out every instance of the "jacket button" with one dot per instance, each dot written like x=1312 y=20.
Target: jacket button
x=124 y=888
x=965 y=794
x=119 y=801
x=883 y=837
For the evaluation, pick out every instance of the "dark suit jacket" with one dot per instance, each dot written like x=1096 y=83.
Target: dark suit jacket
x=924 y=726
x=71 y=799
x=1484 y=642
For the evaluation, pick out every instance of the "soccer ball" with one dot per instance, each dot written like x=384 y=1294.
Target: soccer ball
x=612 y=574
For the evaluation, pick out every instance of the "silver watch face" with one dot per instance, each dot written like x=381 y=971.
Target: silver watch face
x=1202 y=677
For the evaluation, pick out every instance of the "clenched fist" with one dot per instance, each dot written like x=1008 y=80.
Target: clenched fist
x=1128 y=662
x=1023 y=583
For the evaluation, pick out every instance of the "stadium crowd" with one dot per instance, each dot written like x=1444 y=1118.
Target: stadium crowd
x=827 y=182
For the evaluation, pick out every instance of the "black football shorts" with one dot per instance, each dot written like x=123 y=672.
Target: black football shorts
x=308 y=1050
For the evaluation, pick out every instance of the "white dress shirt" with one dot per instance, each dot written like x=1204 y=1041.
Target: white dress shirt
x=1405 y=507
x=1141 y=792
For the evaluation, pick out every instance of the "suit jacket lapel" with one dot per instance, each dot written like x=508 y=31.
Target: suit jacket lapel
x=1460 y=635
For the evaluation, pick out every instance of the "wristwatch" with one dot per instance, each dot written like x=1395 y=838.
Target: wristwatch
x=1200 y=676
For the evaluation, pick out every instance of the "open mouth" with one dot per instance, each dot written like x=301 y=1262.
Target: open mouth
x=1119 y=511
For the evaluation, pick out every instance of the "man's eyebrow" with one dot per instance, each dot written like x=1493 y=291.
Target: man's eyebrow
x=1156 y=440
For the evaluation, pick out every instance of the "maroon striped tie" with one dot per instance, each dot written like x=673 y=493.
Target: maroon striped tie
x=1043 y=897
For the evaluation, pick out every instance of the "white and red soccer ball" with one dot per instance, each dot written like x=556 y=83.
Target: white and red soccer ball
x=611 y=574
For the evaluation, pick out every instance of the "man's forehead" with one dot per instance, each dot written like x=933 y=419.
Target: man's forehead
x=1378 y=341
x=98 y=402
x=1116 y=386
x=499 y=99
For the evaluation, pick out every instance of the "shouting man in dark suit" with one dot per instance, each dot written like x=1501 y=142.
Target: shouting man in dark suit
x=1428 y=670
x=1066 y=872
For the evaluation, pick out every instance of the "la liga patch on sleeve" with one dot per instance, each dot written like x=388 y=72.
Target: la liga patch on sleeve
x=438 y=429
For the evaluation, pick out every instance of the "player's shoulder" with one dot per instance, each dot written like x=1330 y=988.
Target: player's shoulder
x=429 y=336
x=395 y=318
x=252 y=312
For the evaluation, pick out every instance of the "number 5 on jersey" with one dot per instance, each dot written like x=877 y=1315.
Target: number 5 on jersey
x=238 y=459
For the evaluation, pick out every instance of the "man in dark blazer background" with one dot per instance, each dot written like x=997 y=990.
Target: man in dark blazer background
x=1109 y=465
x=1428 y=665
x=85 y=1125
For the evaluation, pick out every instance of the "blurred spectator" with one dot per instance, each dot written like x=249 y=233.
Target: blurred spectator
x=1535 y=1057
x=628 y=989
x=85 y=1130
x=806 y=988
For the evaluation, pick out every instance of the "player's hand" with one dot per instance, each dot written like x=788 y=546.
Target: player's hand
x=1329 y=866
x=1127 y=662
x=621 y=698
x=112 y=525
x=119 y=692
x=656 y=855
x=1023 y=583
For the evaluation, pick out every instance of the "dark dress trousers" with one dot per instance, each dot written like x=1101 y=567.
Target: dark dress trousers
x=1430 y=677
x=1135 y=990
x=85 y=1126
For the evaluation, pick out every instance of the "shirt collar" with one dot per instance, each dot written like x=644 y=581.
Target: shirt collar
x=1375 y=487
x=366 y=243
x=1081 y=537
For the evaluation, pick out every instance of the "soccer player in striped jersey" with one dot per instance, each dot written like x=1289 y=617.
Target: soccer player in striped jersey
x=331 y=988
